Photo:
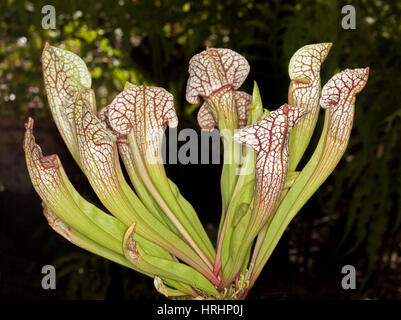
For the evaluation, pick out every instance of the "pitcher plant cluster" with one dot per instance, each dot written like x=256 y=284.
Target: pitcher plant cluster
x=148 y=225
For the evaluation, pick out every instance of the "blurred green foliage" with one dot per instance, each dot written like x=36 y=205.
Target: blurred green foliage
x=152 y=42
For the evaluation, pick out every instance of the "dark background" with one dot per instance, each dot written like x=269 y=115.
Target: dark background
x=353 y=219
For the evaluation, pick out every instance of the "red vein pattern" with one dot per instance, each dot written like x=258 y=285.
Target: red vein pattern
x=212 y=69
x=304 y=71
x=145 y=111
x=242 y=101
x=65 y=75
x=339 y=94
x=205 y=118
x=104 y=117
x=269 y=138
x=304 y=92
x=305 y=64
x=122 y=141
x=43 y=170
x=214 y=74
x=96 y=148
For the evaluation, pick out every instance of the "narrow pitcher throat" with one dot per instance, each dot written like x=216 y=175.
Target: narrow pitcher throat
x=222 y=104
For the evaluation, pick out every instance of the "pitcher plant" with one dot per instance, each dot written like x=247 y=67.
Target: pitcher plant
x=147 y=224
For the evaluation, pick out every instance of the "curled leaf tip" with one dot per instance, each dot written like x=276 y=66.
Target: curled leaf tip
x=57 y=61
x=34 y=152
x=56 y=223
x=65 y=75
x=305 y=64
x=137 y=104
x=304 y=92
x=43 y=170
x=212 y=69
x=342 y=86
x=338 y=94
x=160 y=287
x=129 y=245
x=144 y=111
